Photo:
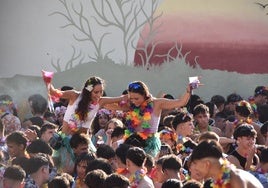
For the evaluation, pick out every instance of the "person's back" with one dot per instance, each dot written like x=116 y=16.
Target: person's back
x=241 y=178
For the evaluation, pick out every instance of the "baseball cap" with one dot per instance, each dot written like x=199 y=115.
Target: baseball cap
x=261 y=90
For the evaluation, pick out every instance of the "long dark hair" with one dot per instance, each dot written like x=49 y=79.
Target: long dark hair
x=82 y=108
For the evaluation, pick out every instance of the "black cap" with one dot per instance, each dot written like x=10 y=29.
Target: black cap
x=261 y=90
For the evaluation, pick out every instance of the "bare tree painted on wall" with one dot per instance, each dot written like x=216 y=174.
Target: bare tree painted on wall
x=76 y=59
x=126 y=20
x=147 y=51
x=126 y=16
x=76 y=18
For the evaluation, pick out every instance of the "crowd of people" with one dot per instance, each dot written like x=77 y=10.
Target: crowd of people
x=87 y=139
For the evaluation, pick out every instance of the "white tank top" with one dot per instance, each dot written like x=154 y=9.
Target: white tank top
x=72 y=119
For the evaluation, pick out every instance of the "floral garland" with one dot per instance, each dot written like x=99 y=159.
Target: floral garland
x=139 y=117
x=79 y=183
x=224 y=178
x=166 y=134
x=7 y=104
x=241 y=121
x=136 y=178
x=122 y=171
x=180 y=146
x=76 y=121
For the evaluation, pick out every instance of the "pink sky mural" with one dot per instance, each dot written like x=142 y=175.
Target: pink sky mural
x=223 y=35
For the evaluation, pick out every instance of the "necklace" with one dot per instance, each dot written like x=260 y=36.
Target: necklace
x=224 y=178
x=76 y=121
x=122 y=171
x=136 y=178
x=139 y=117
x=181 y=147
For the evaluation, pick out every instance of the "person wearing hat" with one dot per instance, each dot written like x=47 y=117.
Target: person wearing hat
x=261 y=95
x=260 y=98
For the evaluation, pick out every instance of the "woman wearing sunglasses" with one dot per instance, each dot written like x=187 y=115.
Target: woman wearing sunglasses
x=144 y=112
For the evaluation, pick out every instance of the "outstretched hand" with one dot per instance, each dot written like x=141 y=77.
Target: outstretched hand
x=194 y=82
x=47 y=76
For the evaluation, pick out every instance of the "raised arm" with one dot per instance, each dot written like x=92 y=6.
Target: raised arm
x=57 y=93
x=175 y=103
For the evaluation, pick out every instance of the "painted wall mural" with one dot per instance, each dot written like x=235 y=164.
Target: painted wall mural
x=224 y=35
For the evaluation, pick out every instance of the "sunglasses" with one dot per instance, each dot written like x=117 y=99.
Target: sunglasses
x=134 y=86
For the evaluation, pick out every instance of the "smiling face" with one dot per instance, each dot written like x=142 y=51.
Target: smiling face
x=97 y=92
x=246 y=142
x=136 y=98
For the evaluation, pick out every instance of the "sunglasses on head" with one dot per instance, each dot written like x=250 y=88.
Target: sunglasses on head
x=134 y=86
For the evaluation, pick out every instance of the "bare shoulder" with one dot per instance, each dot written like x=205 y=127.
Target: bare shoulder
x=72 y=95
x=242 y=178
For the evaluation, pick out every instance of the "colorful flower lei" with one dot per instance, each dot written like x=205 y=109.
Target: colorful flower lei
x=241 y=121
x=180 y=146
x=7 y=106
x=224 y=178
x=136 y=178
x=122 y=171
x=168 y=135
x=139 y=117
x=6 y=103
x=76 y=121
